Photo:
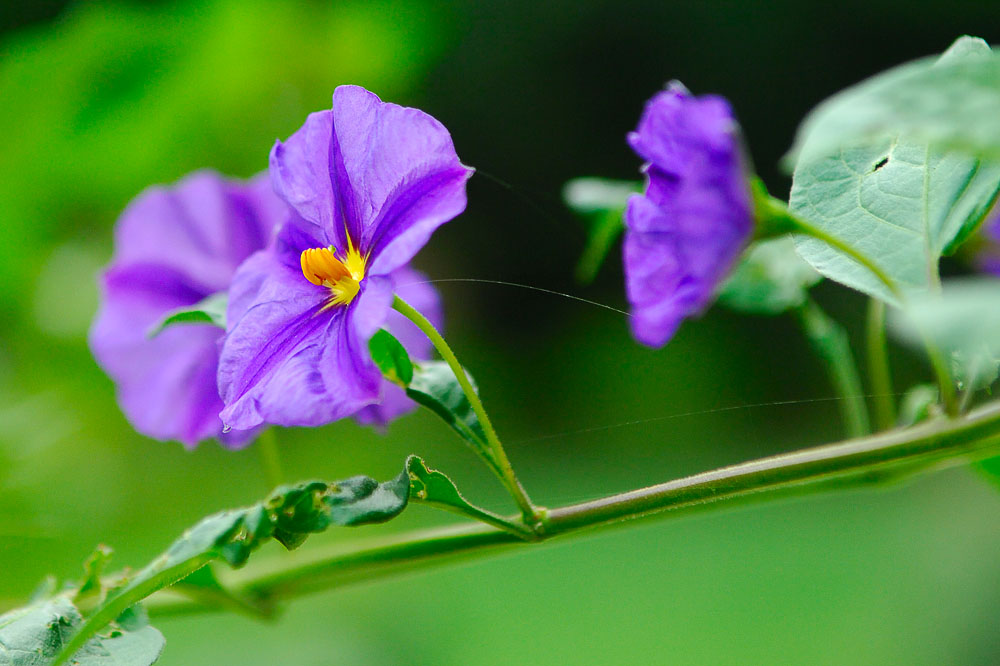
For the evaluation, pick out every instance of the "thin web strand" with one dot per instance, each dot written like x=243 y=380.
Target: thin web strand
x=701 y=412
x=625 y=424
x=525 y=286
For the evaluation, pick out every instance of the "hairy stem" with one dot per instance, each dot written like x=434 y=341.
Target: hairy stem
x=891 y=454
x=878 y=366
x=503 y=467
x=829 y=340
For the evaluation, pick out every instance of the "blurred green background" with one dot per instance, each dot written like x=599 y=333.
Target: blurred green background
x=99 y=100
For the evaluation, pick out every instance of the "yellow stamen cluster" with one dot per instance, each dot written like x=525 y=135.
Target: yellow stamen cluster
x=321 y=266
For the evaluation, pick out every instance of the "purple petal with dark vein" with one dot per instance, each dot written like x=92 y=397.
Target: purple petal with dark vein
x=413 y=212
x=295 y=236
x=412 y=287
x=204 y=226
x=174 y=247
x=273 y=316
x=404 y=174
x=351 y=377
x=165 y=385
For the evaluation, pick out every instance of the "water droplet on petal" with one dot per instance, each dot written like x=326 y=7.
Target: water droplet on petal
x=227 y=429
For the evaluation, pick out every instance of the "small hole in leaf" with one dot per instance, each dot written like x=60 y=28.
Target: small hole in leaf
x=881 y=163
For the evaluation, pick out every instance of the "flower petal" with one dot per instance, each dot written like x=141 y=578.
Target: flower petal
x=686 y=231
x=174 y=247
x=349 y=374
x=385 y=174
x=204 y=226
x=165 y=385
x=289 y=360
x=412 y=287
x=301 y=172
x=404 y=172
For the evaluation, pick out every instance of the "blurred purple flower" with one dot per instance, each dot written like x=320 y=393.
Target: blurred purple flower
x=988 y=254
x=369 y=182
x=174 y=246
x=686 y=231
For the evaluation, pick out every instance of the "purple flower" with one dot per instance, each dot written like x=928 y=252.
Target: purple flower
x=988 y=253
x=413 y=288
x=369 y=182
x=685 y=232
x=174 y=247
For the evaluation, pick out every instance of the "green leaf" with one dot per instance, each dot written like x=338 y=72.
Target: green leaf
x=964 y=320
x=949 y=102
x=598 y=195
x=211 y=310
x=431 y=486
x=890 y=194
x=289 y=514
x=391 y=358
x=602 y=202
x=33 y=636
x=203 y=586
x=991 y=468
x=917 y=404
x=435 y=386
x=91 y=590
x=771 y=278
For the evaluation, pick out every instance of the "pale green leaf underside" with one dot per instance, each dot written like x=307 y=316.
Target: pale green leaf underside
x=965 y=321
x=33 y=636
x=770 y=278
x=894 y=198
x=951 y=102
x=964 y=317
x=289 y=515
x=598 y=195
x=898 y=202
x=432 y=486
x=210 y=310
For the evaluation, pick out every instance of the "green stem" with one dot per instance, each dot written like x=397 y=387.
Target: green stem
x=529 y=511
x=482 y=515
x=127 y=598
x=878 y=366
x=886 y=455
x=943 y=374
x=829 y=340
x=267 y=446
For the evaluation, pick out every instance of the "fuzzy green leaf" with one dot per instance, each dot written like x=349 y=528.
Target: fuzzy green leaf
x=391 y=358
x=891 y=194
x=435 y=386
x=598 y=195
x=771 y=278
x=433 y=487
x=949 y=102
x=917 y=405
x=211 y=310
x=289 y=515
x=33 y=636
x=964 y=320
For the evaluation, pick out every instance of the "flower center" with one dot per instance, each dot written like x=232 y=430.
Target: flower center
x=342 y=276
